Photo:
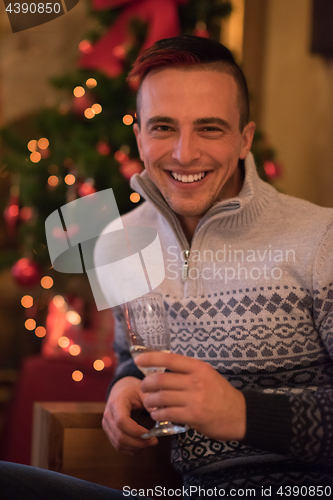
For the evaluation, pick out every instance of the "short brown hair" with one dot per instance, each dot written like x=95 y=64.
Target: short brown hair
x=185 y=52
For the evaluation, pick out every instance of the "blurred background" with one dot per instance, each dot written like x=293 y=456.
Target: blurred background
x=66 y=115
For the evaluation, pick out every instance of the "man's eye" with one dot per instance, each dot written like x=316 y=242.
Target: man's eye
x=162 y=128
x=211 y=129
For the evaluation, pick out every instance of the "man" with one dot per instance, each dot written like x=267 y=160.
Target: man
x=248 y=291
x=252 y=319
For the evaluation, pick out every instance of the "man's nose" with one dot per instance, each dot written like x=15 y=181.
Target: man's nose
x=186 y=149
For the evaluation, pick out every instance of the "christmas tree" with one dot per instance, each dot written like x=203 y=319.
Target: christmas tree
x=85 y=143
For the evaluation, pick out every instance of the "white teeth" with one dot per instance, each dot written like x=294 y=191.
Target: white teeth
x=188 y=178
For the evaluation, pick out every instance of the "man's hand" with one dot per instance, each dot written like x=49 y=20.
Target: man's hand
x=123 y=432
x=193 y=393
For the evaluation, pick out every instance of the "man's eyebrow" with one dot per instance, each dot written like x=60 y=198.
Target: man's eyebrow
x=160 y=118
x=213 y=120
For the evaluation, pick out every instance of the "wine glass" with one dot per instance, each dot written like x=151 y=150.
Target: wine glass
x=147 y=330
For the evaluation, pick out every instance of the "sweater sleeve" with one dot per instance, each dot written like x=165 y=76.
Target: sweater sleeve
x=301 y=425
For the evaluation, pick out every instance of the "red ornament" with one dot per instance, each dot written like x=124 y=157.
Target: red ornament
x=272 y=169
x=121 y=157
x=26 y=272
x=130 y=168
x=201 y=33
x=103 y=148
x=11 y=215
x=85 y=46
x=201 y=30
x=86 y=188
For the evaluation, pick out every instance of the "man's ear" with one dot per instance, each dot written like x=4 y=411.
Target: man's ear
x=137 y=133
x=247 y=138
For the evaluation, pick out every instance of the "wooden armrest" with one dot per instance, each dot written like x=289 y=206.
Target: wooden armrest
x=68 y=438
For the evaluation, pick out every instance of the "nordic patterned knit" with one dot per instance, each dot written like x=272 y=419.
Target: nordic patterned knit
x=257 y=304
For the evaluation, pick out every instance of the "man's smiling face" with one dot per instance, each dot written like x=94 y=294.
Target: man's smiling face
x=189 y=138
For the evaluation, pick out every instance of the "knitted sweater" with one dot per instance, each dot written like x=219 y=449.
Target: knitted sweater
x=256 y=302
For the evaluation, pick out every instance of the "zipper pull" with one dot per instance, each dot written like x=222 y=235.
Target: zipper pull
x=185 y=265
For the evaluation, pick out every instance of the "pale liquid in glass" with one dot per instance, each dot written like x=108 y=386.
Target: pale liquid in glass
x=135 y=350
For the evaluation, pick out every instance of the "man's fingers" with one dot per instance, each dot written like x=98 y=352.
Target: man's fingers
x=174 y=414
x=160 y=399
x=122 y=430
x=170 y=361
x=127 y=437
x=159 y=381
x=128 y=426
